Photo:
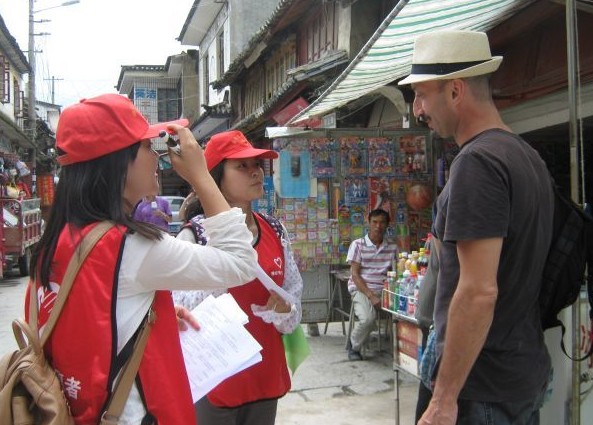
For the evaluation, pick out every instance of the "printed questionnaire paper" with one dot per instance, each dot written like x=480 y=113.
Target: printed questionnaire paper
x=222 y=346
x=270 y=285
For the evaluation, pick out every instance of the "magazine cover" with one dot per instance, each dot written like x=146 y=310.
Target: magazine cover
x=411 y=158
x=322 y=201
x=343 y=226
x=323 y=157
x=353 y=154
x=381 y=156
x=358 y=223
x=381 y=195
x=356 y=190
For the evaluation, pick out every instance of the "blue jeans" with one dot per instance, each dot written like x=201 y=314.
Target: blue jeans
x=524 y=412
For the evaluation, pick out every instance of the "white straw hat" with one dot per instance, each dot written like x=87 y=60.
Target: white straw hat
x=446 y=55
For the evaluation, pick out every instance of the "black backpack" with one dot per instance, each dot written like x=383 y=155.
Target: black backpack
x=570 y=255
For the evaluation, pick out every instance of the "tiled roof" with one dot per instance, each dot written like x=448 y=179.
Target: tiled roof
x=10 y=47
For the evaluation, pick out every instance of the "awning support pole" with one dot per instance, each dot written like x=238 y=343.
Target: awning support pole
x=571 y=51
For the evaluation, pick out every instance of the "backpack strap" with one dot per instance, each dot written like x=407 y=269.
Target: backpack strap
x=589 y=259
x=86 y=245
x=274 y=223
x=124 y=383
x=197 y=229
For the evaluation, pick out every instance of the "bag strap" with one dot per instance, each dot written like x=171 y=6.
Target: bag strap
x=124 y=383
x=126 y=378
x=274 y=224
x=86 y=245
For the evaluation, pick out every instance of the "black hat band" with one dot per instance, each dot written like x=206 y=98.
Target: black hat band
x=442 y=68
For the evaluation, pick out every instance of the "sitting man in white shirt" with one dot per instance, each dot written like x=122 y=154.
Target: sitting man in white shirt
x=370 y=258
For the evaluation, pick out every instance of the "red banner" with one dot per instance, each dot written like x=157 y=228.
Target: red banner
x=45 y=189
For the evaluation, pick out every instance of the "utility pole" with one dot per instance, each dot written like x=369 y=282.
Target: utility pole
x=53 y=88
x=31 y=87
x=575 y=171
x=32 y=64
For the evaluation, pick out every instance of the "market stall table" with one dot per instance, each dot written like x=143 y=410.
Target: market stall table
x=407 y=349
x=339 y=277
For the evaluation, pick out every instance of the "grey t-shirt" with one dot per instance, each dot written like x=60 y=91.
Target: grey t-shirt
x=499 y=187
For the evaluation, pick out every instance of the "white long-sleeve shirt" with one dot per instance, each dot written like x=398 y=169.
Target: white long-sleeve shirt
x=293 y=284
x=169 y=264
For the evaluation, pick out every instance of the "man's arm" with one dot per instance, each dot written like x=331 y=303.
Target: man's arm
x=361 y=285
x=469 y=319
x=165 y=213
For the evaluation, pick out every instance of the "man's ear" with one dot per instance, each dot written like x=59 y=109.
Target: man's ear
x=457 y=90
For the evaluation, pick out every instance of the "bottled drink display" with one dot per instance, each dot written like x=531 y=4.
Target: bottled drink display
x=401 y=288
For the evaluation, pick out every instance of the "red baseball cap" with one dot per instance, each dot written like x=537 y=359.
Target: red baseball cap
x=101 y=125
x=232 y=145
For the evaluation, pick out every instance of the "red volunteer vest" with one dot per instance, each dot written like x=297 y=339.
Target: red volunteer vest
x=83 y=345
x=268 y=378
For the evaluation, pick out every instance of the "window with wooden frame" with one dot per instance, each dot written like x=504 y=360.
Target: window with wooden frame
x=5 y=75
x=319 y=34
x=255 y=90
x=220 y=54
x=281 y=60
x=206 y=79
x=23 y=104
x=18 y=106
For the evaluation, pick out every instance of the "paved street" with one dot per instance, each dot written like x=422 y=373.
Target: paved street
x=12 y=294
x=327 y=388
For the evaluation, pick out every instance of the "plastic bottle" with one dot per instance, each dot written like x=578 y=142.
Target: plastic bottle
x=393 y=301
x=408 y=262
x=401 y=264
x=404 y=292
x=419 y=280
x=423 y=262
x=413 y=267
x=411 y=285
x=401 y=213
x=396 y=296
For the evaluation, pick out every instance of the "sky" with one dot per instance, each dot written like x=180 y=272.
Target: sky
x=91 y=40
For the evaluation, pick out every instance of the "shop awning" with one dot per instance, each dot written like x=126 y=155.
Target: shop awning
x=387 y=55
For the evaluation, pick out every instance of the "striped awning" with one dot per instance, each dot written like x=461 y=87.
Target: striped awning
x=387 y=56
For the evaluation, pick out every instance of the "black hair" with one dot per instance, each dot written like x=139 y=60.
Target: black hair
x=217 y=173
x=88 y=192
x=193 y=208
x=379 y=212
